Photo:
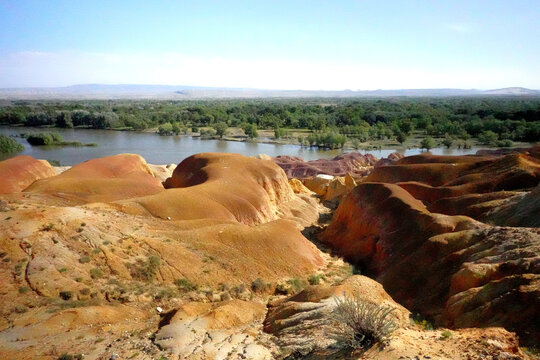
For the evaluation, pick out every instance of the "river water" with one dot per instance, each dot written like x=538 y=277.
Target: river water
x=172 y=149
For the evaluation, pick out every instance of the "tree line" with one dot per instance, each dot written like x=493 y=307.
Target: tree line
x=492 y=120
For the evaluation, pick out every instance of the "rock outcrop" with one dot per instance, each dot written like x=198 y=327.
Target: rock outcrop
x=304 y=327
x=222 y=330
x=431 y=178
x=456 y=270
x=21 y=171
x=353 y=163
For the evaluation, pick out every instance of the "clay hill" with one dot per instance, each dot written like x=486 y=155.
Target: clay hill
x=435 y=232
x=216 y=258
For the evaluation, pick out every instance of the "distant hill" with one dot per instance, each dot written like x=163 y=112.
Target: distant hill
x=172 y=92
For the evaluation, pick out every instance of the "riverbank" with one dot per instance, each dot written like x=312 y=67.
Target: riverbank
x=173 y=149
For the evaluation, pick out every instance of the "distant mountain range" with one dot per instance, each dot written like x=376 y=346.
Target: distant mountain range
x=171 y=92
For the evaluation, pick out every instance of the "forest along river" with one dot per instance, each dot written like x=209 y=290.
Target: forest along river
x=172 y=149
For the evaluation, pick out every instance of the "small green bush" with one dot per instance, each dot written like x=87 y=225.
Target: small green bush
x=84 y=259
x=258 y=285
x=314 y=279
x=145 y=270
x=296 y=284
x=44 y=138
x=185 y=285
x=96 y=273
x=447 y=334
x=422 y=322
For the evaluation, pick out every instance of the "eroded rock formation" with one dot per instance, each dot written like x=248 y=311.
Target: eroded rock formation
x=459 y=271
x=353 y=163
x=67 y=241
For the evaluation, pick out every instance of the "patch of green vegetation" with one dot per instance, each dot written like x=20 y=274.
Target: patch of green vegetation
x=164 y=293
x=47 y=227
x=422 y=322
x=84 y=259
x=9 y=145
x=48 y=138
x=184 y=284
x=314 y=279
x=51 y=138
x=446 y=334
x=258 y=285
x=96 y=273
x=20 y=309
x=145 y=270
x=54 y=162
x=296 y=284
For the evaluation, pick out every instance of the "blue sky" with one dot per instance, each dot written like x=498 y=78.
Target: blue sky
x=272 y=44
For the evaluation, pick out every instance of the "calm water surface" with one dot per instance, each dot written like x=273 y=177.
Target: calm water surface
x=171 y=149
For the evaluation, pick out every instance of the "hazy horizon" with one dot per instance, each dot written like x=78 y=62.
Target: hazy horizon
x=301 y=45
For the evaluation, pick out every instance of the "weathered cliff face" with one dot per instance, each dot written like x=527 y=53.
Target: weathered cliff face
x=19 y=172
x=459 y=271
x=353 y=163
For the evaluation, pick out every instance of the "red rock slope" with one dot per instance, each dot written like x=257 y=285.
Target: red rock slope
x=354 y=163
x=459 y=271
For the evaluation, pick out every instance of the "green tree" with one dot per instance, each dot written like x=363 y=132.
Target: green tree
x=447 y=141
x=175 y=128
x=401 y=137
x=279 y=132
x=221 y=128
x=165 y=129
x=427 y=143
x=488 y=137
x=250 y=130
x=63 y=119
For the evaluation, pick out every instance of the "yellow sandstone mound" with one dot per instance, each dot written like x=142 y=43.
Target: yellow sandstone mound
x=226 y=187
x=105 y=179
x=21 y=171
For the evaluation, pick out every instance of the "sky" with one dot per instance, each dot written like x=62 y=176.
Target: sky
x=273 y=44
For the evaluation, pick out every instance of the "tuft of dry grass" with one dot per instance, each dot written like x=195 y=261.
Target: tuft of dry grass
x=359 y=324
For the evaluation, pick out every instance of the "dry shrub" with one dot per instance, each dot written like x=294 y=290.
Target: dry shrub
x=359 y=324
